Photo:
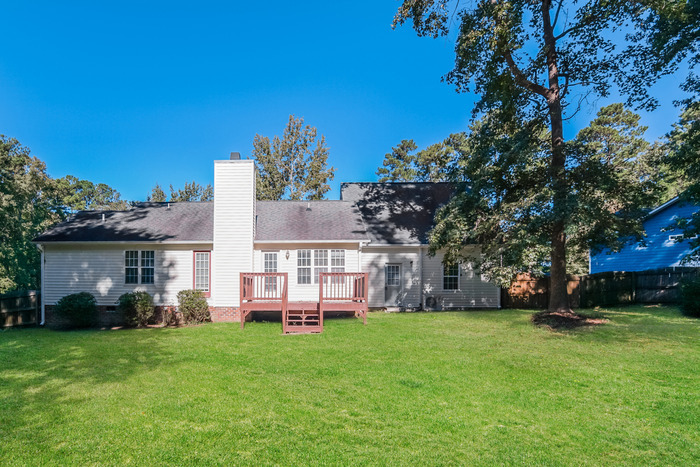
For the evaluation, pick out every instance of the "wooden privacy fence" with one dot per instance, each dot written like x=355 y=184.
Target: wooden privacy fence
x=20 y=308
x=601 y=289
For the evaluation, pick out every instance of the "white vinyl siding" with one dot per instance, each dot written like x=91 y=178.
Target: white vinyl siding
x=234 y=218
x=474 y=291
x=100 y=270
x=300 y=266
x=374 y=261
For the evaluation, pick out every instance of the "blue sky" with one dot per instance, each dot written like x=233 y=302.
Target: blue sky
x=137 y=93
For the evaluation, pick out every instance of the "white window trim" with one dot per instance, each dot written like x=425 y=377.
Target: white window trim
x=313 y=266
x=139 y=268
x=459 y=279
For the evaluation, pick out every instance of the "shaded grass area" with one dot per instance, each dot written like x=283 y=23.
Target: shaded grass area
x=460 y=387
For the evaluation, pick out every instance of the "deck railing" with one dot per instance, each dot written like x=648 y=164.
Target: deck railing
x=263 y=286
x=343 y=286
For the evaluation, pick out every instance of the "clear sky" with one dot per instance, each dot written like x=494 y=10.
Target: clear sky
x=134 y=93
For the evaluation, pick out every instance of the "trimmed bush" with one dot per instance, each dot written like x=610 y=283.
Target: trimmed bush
x=690 y=297
x=137 y=308
x=193 y=306
x=78 y=310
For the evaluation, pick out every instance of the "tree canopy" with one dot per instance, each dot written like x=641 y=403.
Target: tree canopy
x=532 y=62
x=190 y=192
x=28 y=205
x=294 y=166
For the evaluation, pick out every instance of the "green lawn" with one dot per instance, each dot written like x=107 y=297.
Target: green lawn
x=461 y=387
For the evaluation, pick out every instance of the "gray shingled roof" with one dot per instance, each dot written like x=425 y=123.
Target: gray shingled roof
x=308 y=220
x=397 y=213
x=146 y=222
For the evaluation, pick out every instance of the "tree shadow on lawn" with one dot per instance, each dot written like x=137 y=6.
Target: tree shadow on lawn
x=46 y=374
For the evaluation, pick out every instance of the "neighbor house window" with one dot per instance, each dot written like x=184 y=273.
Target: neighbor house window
x=318 y=261
x=304 y=267
x=202 y=271
x=139 y=267
x=450 y=277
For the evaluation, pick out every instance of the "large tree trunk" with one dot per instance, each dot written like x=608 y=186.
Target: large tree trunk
x=558 y=297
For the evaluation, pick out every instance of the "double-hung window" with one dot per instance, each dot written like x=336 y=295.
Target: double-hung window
x=316 y=262
x=320 y=263
x=304 y=267
x=202 y=271
x=450 y=277
x=139 y=267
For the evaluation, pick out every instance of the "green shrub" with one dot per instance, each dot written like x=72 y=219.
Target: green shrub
x=193 y=306
x=137 y=308
x=78 y=310
x=690 y=297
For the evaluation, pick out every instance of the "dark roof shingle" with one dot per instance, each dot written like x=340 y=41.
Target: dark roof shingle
x=397 y=213
x=308 y=221
x=146 y=222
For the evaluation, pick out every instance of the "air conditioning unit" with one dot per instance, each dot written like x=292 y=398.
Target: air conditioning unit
x=433 y=302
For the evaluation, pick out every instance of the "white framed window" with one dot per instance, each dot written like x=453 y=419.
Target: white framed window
x=202 y=271
x=392 y=275
x=270 y=265
x=320 y=263
x=316 y=262
x=131 y=267
x=450 y=277
x=139 y=267
x=304 y=267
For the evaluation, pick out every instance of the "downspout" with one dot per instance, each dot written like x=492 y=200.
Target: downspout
x=41 y=288
x=420 y=267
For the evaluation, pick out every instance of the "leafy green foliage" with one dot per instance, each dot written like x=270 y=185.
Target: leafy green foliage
x=690 y=297
x=157 y=195
x=192 y=192
x=78 y=310
x=505 y=203
x=28 y=205
x=684 y=158
x=294 y=166
x=81 y=195
x=428 y=165
x=193 y=306
x=137 y=308
x=529 y=61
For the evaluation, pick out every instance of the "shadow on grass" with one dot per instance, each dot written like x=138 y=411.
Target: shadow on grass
x=43 y=368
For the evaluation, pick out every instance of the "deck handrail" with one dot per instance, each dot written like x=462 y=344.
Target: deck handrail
x=264 y=286
x=345 y=286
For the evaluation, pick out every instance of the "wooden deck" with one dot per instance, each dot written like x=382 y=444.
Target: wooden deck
x=338 y=291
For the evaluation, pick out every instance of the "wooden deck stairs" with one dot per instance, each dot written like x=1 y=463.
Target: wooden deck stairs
x=338 y=292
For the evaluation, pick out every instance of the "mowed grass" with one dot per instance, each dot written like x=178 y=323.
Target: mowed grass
x=481 y=387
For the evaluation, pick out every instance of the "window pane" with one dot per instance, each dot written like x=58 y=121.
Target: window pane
x=201 y=271
x=147 y=275
x=303 y=275
x=132 y=276
x=131 y=259
x=317 y=271
x=450 y=280
x=270 y=262
x=393 y=272
x=338 y=258
x=320 y=257
x=148 y=259
x=304 y=258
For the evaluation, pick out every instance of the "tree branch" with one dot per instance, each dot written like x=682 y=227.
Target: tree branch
x=520 y=77
x=556 y=15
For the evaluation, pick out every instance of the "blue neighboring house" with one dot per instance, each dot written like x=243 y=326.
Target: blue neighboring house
x=661 y=249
